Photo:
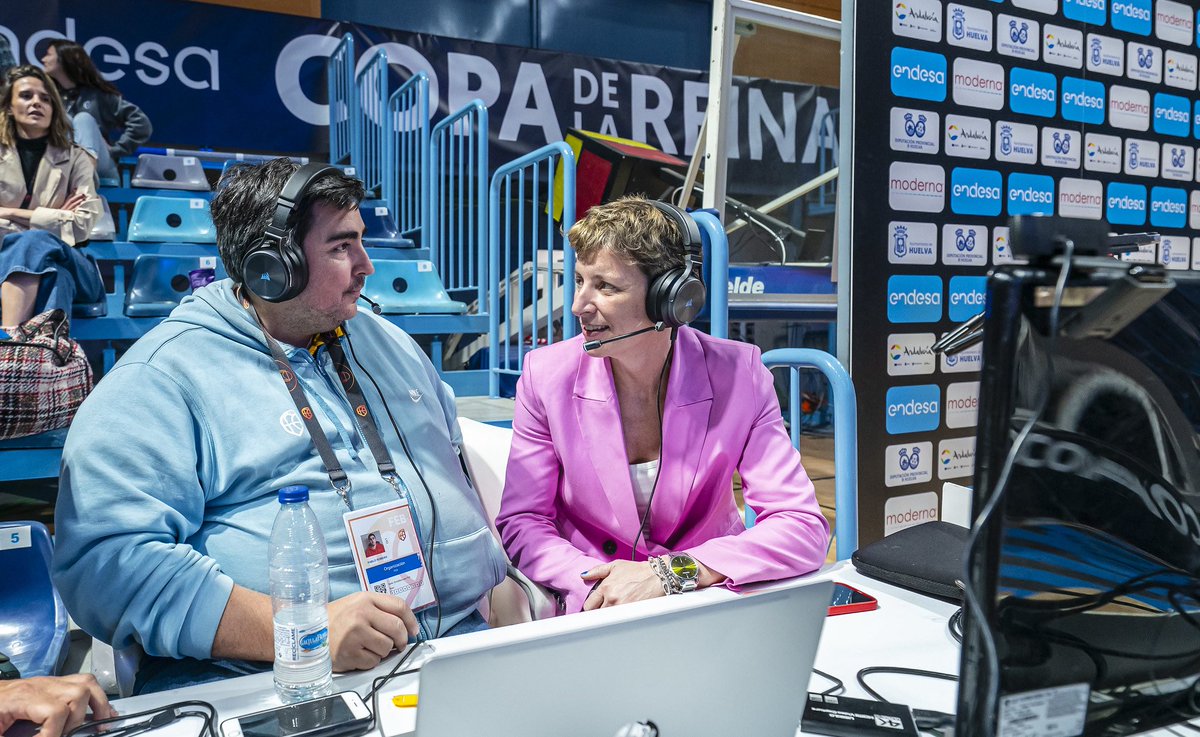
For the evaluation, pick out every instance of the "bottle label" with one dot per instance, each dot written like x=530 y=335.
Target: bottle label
x=298 y=644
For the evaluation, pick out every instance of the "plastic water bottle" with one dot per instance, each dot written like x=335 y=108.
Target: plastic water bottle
x=299 y=594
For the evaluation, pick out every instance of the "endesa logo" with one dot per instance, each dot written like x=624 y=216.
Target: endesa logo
x=1134 y=16
x=1082 y=100
x=912 y=243
x=975 y=191
x=1030 y=194
x=966 y=296
x=1032 y=93
x=918 y=74
x=1174 y=22
x=914 y=299
x=1196 y=120
x=1092 y=12
x=913 y=409
x=1171 y=114
x=1126 y=203
x=919 y=187
x=1168 y=207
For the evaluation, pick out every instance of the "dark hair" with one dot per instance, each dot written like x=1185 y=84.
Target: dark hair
x=79 y=67
x=245 y=199
x=632 y=229
x=61 y=135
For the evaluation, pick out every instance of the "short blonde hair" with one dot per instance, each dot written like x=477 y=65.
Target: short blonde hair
x=633 y=229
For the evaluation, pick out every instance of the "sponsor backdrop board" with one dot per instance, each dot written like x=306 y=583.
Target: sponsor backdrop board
x=969 y=113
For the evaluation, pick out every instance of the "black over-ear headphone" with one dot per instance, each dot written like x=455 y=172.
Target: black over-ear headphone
x=275 y=268
x=677 y=295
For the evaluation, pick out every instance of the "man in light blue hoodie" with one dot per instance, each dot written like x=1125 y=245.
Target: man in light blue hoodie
x=171 y=467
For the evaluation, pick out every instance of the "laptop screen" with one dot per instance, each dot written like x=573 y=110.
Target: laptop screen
x=729 y=667
x=1088 y=571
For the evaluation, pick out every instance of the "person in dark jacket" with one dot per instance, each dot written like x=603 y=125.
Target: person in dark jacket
x=95 y=106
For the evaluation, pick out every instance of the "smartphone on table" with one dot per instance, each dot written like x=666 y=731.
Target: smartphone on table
x=847 y=599
x=340 y=715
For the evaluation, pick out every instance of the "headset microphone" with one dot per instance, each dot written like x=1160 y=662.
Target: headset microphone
x=592 y=345
x=374 y=305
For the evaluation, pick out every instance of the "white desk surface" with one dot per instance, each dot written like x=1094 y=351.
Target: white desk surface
x=906 y=630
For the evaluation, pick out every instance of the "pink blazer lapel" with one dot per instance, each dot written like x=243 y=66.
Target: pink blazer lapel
x=685 y=427
x=599 y=418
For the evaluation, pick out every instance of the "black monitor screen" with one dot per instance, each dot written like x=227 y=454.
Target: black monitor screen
x=1089 y=570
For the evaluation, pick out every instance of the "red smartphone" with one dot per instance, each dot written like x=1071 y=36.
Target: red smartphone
x=847 y=599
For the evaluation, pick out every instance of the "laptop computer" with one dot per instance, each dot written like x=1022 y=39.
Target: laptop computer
x=735 y=666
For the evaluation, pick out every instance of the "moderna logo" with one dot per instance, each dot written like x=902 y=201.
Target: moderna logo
x=1194 y=210
x=1129 y=108
x=1080 y=198
x=1126 y=203
x=978 y=84
x=914 y=299
x=1171 y=114
x=975 y=191
x=913 y=409
x=1168 y=207
x=919 y=187
x=966 y=297
x=1030 y=194
x=1092 y=12
x=906 y=511
x=962 y=404
x=1133 y=16
x=918 y=74
x=1032 y=93
x=1174 y=22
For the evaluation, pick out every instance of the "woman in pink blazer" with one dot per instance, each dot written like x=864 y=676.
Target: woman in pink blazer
x=619 y=479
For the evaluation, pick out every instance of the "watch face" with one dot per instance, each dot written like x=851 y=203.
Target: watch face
x=684 y=566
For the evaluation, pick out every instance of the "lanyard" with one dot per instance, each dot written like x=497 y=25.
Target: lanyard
x=362 y=417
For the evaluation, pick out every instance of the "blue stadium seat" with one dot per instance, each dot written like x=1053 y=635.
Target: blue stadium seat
x=171 y=220
x=170 y=172
x=33 y=620
x=410 y=287
x=161 y=282
x=381 y=229
x=105 y=228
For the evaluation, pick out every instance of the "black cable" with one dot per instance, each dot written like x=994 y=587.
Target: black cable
x=991 y=657
x=658 y=404
x=437 y=630
x=837 y=688
x=861 y=676
x=956 y=625
x=159 y=717
x=378 y=683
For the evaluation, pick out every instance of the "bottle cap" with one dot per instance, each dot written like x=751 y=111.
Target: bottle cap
x=293 y=495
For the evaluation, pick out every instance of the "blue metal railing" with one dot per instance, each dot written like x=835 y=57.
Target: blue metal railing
x=845 y=434
x=717 y=258
x=458 y=226
x=406 y=179
x=528 y=185
x=373 y=141
x=343 y=105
